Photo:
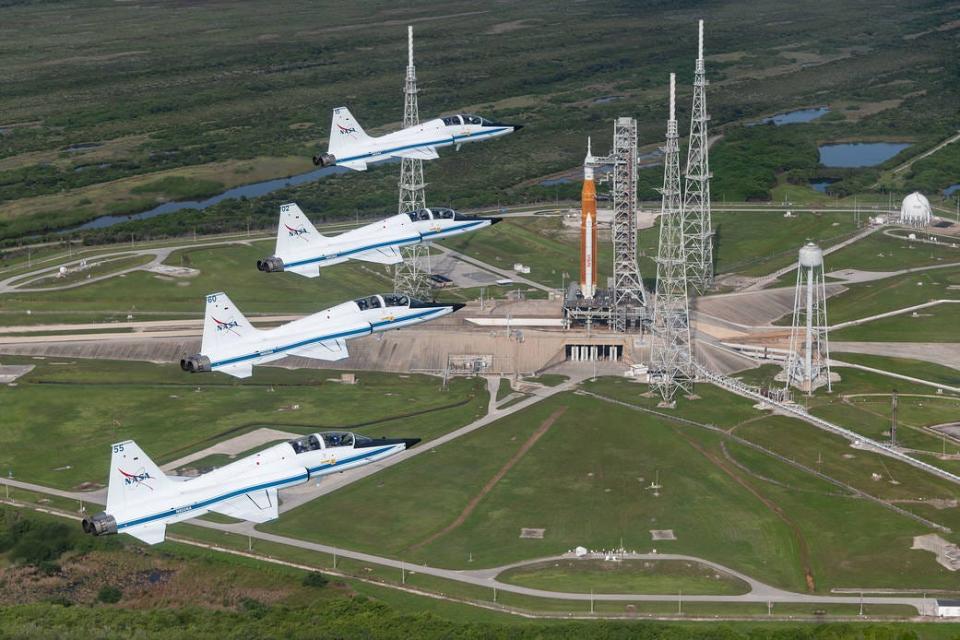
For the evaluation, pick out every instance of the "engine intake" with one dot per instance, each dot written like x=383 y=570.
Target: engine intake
x=271 y=264
x=102 y=524
x=324 y=160
x=195 y=364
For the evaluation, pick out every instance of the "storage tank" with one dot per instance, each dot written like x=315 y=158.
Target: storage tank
x=915 y=210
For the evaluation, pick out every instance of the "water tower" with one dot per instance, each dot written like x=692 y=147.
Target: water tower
x=808 y=361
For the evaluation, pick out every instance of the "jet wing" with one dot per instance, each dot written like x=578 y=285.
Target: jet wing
x=151 y=534
x=240 y=370
x=383 y=255
x=329 y=350
x=256 y=506
x=421 y=153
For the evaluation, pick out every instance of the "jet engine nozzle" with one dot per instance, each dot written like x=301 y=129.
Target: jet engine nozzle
x=195 y=364
x=271 y=264
x=324 y=160
x=102 y=524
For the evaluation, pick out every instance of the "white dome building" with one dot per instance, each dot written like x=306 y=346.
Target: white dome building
x=915 y=210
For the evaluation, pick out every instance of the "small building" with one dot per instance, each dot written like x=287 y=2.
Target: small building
x=948 y=608
x=915 y=210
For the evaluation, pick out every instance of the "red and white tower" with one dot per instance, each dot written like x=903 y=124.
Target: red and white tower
x=588 y=228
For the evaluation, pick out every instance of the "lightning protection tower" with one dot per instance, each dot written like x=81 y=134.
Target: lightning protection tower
x=697 y=224
x=808 y=360
x=670 y=345
x=629 y=297
x=411 y=277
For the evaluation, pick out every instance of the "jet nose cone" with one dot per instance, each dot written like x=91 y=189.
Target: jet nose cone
x=457 y=306
x=517 y=127
x=494 y=221
x=410 y=442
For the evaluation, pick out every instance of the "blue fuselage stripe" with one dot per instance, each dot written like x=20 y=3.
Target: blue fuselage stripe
x=388 y=243
x=434 y=143
x=302 y=477
x=332 y=336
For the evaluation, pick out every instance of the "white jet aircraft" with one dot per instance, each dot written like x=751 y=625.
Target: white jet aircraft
x=142 y=500
x=232 y=345
x=303 y=250
x=350 y=147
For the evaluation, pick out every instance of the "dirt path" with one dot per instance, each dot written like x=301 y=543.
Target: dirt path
x=772 y=506
x=487 y=488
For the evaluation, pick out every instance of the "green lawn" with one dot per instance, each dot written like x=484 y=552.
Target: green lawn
x=231 y=268
x=585 y=481
x=879 y=252
x=757 y=243
x=548 y=379
x=93 y=403
x=879 y=296
x=627 y=576
x=914 y=368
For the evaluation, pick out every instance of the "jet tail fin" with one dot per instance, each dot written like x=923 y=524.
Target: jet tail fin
x=223 y=324
x=133 y=476
x=295 y=232
x=345 y=133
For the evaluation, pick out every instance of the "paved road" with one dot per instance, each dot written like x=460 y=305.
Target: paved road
x=909 y=163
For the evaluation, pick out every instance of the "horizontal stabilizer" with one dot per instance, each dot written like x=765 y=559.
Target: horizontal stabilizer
x=151 y=533
x=306 y=270
x=241 y=370
x=330 y=350
x=420 y=153
x=256 y=506
x=356 y=165
x=383 y=255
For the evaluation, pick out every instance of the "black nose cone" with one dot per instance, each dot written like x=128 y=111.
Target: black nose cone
x=457 y=306
x=494 y=221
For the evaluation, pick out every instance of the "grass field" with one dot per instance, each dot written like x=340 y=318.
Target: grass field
x=879 y=252
x=914 y=368
x=91 y=404
x=594 y=495
x=880 y=296
x=626 y=576
x=757 y=243
x=230 y=268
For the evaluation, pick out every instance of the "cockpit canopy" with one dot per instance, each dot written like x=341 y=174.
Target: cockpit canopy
x=433 y=213
x=465 y=118
x=326 y=440
x=385 y=300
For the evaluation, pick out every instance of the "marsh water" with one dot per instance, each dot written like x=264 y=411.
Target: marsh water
x=859 y=154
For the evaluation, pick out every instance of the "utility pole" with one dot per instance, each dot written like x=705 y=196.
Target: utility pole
x=893 y=418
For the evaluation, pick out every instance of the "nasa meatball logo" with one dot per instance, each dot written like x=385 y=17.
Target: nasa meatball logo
x=296 y=233
x=138 y=479
x=227 y=326
x=346 y=130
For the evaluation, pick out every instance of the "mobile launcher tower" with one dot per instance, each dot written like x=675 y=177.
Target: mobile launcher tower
x=808 y=360
x=622 y=306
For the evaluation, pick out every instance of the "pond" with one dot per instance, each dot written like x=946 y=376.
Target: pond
x=549 y=182
x=821 y=184
x=795 y=117
x=952 y=189
x=859 y=154
x=248 y=190
x=605 y=99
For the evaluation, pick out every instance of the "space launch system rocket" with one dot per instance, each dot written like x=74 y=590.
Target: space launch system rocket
x=588 y=229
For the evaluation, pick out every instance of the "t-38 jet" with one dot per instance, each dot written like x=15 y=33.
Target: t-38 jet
x=350 y=147
x=142 y=500
x=303 y=250
x=232 y=345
